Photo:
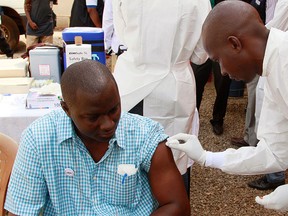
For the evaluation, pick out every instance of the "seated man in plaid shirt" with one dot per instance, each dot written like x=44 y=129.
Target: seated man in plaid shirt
x=88 y=158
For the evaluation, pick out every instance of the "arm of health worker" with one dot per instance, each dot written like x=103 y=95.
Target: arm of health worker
x=244 y=161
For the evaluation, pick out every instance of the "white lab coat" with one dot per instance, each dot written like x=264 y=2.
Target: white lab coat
x=280 y=17
x=162 y=38
x=271 y=152
x=277 y=19
x=110 y=37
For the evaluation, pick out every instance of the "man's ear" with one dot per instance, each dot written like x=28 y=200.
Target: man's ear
x=65 y=107
x=235 y=43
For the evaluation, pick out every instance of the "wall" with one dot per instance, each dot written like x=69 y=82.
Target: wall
x=63 y=11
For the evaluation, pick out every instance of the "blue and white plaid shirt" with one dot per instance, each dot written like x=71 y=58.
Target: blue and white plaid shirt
x=54 y=171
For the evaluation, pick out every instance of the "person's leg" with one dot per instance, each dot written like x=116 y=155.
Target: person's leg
x=222 y=86
x=201 y=74
x=276 y=177
x=4 y=46
x=47 y=39
x=259 y=99
x=31 y=40
x=250 y=136
x=269 y=181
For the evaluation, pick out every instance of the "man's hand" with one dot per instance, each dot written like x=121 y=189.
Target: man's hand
x=33 y=25
x=188 y=144
x=277 y=200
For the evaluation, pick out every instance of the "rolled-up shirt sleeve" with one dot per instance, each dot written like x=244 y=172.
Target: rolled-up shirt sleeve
x=91 y=3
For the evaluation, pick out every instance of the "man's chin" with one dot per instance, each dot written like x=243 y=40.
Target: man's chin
x=240 y=79
x=105 y=138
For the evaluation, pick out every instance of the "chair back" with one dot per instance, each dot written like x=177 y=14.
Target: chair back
x=8 y=151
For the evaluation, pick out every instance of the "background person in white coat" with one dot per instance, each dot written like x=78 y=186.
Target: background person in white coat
x=244 y=48
x=154 y=75
x=111 y=40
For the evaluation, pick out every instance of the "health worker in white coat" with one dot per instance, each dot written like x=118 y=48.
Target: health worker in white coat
x=278 y=199
x=162 y=38
x=244 y=47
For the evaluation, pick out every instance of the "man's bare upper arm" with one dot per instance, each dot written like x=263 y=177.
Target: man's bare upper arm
x=167 y=183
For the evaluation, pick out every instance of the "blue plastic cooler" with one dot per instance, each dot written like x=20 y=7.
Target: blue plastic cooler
x=90 y=35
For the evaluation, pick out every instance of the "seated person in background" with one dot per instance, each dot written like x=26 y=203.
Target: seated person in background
x=4 y=46
x=91 y=159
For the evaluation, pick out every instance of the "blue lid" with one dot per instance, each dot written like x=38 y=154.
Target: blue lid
x=87 y=33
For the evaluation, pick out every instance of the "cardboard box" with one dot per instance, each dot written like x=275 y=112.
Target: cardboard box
x=35 y=100
x=15 y=85
x=13 y=67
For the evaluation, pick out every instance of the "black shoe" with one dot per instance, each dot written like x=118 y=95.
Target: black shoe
x=217 y=127
x=263 y=184
x=239 y=142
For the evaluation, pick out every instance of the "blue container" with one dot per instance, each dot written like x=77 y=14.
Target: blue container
x=90 y=35
x=236 y=88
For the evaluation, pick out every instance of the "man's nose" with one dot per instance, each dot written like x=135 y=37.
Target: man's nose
x=106 y=123
x=223 y=71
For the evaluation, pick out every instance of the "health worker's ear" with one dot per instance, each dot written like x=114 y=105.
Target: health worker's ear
x=235 y=43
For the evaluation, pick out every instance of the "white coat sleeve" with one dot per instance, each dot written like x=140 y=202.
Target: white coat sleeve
x=280 y=19
x=107 y=23
x=270 y=154
x=199 y=56
x=91 y=3
x=119 y=23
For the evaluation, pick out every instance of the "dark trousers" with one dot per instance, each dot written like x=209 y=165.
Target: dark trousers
x=138 y=109
x=222 y=87
x=4 y=46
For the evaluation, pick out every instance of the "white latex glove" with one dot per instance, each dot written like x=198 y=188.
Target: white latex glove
x=277 y=200
x=191 y=146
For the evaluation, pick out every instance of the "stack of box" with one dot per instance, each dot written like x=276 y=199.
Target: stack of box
x=46 y=97
x=13 y=76
x=39 y=101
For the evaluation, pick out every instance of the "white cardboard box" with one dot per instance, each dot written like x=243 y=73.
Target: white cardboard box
x=13 y=67
x=13 y=85
x=35 y=100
